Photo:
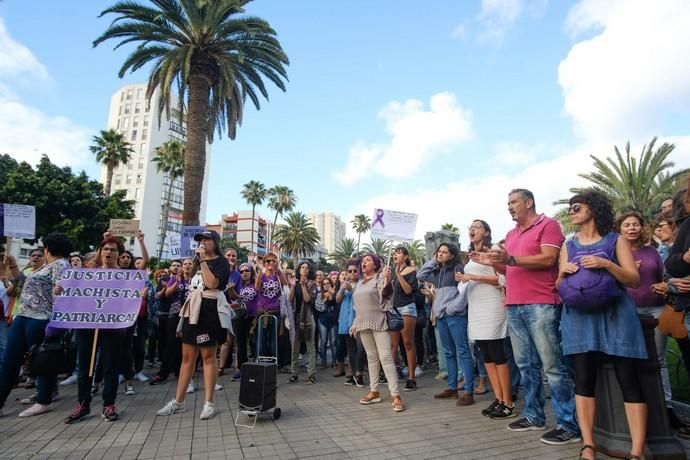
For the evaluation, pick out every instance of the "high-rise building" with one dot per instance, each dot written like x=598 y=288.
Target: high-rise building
x=330 y=227
x=133 y=115
x=238 y=227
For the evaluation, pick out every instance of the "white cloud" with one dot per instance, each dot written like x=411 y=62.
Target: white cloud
x=26 y=132
x=632 y=72
x=516 y=153
x=496 y=17
x=416 y=135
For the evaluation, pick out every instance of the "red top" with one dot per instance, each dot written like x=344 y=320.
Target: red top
x=526 y=286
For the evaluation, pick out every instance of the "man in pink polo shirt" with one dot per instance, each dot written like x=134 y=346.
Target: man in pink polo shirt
x=529 y=259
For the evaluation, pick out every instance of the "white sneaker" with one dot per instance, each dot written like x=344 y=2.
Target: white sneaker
x=173 y=407
x=36 y=409
x=418 y=372
x=218 y=387
x=129 y=390
x=441 y=376
x=190 y=388
x=120 y=379
x=142 y=377
x=71 y=380
x=208 y=411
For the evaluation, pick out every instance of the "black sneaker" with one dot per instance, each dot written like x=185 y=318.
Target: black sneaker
x=310 y=380
x=411 y=385
x=350 y=381
x=359 y=381
x=82 y=410
x=293 y=379
x=524 y=424
x=559 y=436
x=109 y=413
x=400 y=373
x=382 y=378
x=503 y=411
x=491 y=408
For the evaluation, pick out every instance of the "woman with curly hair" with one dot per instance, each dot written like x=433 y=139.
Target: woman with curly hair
x=601 y=323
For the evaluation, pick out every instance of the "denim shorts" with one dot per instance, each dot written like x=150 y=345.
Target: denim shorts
x=408 y=310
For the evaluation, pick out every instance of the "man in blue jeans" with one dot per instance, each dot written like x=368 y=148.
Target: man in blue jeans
x=529 y=259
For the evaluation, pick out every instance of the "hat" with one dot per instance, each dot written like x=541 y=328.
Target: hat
x=207 y=235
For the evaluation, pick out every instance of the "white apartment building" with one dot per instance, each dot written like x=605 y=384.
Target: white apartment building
x=330 y=227
x=238 y=227
x=131 y=114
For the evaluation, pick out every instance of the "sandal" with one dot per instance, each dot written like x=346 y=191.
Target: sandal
x=292 y=379
x=480 y=390
x=587 y=446
x=310 y=380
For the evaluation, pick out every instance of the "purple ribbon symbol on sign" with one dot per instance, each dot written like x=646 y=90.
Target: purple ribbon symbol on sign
x=378 y=219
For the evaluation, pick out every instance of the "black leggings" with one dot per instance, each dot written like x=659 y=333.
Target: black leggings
x=493 y=351
x=585 y=367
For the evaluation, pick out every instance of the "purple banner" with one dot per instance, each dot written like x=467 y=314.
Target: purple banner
x=98 y=299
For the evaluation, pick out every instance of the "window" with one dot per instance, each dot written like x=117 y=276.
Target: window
x=137 y=107
x=139 y=93
x=147 y=107
x=129 y=94
x=129 y=166
x=122 y=96
x=135 y=122
x=128 y=181
x=134 y=135
x=138 y=179
x=146 y=123
x=125 y=123
x=142 y=148
x=127 y=108
x=144 y=134
x=118 y=179
x=141 y=164
x=119 y=111
x=118 y=123
x=136 y=193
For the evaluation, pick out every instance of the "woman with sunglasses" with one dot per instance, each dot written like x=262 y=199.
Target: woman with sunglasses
x=244 y=291
x=346 y=317
x=592 y=331
x=327 y=322
x=269 y=286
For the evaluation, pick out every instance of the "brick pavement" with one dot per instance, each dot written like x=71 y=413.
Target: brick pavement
x=323 y=421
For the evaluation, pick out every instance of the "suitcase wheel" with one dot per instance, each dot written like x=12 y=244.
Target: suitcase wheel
x=276 y=413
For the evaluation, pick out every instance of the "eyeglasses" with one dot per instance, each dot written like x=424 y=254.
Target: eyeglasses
x=574 y=209
x=244 y=271
x=661 y=224
x=269 y=261
x=352 y=271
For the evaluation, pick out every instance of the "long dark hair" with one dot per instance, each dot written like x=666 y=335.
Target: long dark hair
x=486 y=244
x=600 y=207
x=454 y=251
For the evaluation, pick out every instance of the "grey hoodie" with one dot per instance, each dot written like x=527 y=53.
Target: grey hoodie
x=448 y=300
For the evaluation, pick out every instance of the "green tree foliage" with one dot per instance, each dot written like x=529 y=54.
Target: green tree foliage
x=169 y=159
x=254 y=193
x=344 y=251
x=632 y=183
x=208 y=52
x=281 y=199
x=297 y=236
x=450 y=228
x=111 y=150
x=65 y=202
x=381 y=248
x=361 y=223
x=416 y=250
x=242 y=252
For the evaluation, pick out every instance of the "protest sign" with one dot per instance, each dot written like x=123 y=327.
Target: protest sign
x=173 y=241
x=18 y=221
x=187 y=243
x=393 y=225
x=124 y=227
x=98 y=299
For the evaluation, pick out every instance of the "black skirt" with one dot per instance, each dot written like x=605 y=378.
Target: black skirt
x=207 y=332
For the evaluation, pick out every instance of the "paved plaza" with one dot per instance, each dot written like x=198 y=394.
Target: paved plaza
x=323 y=421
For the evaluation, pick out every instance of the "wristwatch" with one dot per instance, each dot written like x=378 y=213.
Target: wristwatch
x=511 y=261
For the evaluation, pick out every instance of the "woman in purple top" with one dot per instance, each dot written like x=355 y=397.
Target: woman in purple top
x=269 y=286
x=649 y=296
x=247 y=294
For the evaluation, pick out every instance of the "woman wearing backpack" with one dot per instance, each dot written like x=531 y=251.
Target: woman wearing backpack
x=601 y=320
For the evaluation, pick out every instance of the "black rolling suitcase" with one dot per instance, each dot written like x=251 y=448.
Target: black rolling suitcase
x=258 y=384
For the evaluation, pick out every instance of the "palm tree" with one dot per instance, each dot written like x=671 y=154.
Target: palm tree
x=379 y=247
x=281 y=199
x=450 y=228
x=169 y=159
x=361 y=224
x=111 y=150
x=344 y=251
x=254 y=193
x=297 y=236
x=631 y=183
x=416 y=250
x=208 y=53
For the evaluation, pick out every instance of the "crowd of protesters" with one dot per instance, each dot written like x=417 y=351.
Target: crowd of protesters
x=534 y=307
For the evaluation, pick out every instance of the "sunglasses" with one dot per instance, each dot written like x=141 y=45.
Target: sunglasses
x=269 y=261
x=352 y=271
x=244 y=271
x=574 y=209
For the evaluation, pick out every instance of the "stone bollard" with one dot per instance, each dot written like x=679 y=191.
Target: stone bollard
x=611 y=433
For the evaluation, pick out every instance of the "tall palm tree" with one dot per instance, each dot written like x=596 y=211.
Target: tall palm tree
x=633 y=183
x=210 y=54
x=169 y=159
x=379 y=247
x=111 y=150
x=361 y=224
x=416 y=250
x=281 y=199
x=450 y=228
x=297 y=236
x=344 y=251
x=254 y=193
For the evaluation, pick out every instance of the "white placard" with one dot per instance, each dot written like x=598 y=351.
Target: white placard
x=393 y=225
x=18 y=221
x=173 y=240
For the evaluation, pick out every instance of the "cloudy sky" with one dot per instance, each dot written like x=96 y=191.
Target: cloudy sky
x=438 y=111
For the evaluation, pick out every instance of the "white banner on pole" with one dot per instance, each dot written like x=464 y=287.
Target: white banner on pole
x=173 y=240
x=18 y=221
x=393 y=225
